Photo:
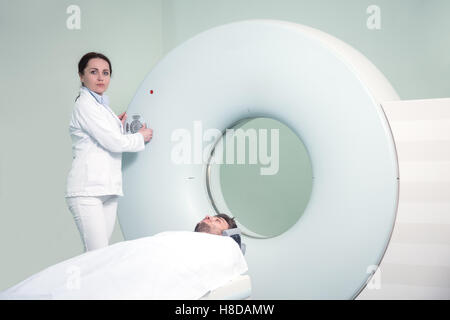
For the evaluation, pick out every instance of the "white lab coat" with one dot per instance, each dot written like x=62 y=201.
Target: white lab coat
x=98 y=141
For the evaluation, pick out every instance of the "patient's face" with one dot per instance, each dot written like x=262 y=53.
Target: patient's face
x=213 y=225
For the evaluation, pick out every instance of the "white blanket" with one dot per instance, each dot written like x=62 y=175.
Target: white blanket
x=169 y=265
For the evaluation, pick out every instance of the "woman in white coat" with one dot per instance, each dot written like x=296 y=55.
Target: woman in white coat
x=94 y=182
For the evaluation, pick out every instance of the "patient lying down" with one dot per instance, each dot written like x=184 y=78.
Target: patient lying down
x=216 y=224
x=168 y=265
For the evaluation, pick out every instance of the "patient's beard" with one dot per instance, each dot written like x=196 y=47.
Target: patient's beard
x=203 y=227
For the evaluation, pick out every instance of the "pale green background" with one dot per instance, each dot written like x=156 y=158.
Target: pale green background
x=38 y=81
x=267 y=205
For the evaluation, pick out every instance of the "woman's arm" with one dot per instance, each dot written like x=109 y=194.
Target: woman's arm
x=93 y=121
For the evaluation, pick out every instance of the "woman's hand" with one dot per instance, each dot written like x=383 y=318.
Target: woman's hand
x=147 y=133
x=123 y=117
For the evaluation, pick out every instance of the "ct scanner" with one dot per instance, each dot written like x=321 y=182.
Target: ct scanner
x=377 y=224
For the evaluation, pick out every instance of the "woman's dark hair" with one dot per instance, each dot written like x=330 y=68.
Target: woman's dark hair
x=85 y=59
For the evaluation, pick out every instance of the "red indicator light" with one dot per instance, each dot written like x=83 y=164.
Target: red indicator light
x=151 y=91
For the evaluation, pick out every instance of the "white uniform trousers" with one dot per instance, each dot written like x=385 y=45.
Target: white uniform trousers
x=95 y=218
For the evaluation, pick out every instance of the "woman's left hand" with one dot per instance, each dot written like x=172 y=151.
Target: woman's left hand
x=123 y=117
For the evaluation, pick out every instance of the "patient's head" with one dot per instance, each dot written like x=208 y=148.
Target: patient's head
x=215 y=224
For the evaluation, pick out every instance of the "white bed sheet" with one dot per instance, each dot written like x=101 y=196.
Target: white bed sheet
x=239 y=288
x=169 y=265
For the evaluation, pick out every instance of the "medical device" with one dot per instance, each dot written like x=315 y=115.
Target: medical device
x=380 y=183
x=134 y=123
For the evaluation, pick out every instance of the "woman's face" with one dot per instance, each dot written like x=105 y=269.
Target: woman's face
x=96 y=75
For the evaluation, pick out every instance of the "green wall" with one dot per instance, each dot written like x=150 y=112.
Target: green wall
x=411 y=48
x=39 y=82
